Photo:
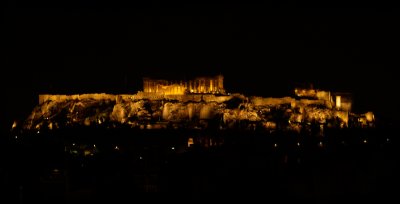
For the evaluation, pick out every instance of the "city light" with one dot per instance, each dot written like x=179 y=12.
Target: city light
x=14 y=125
x=190 y=142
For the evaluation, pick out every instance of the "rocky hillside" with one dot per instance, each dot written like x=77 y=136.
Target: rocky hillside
x=236 y=111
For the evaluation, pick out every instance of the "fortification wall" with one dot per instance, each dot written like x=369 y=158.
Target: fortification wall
x=260 y=101
x=182 y=98
x=139 y=96
x=324 y=95
x=95 y=96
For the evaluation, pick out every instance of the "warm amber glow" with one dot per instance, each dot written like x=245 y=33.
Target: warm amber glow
x=198 y=85
x=166 y=104
x=305 y=92
x=338 y=102
x=369 y=116
x=14 y=125
x=190 y=141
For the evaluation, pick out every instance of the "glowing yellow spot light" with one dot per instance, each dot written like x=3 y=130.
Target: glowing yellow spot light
x=275 y=145
x=365 y=141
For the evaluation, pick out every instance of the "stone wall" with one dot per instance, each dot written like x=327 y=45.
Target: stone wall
x=95 y=96
x=260 y=101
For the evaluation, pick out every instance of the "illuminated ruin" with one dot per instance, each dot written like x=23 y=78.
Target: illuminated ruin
x=341 y=101
x=202 y=85
x=195 y=104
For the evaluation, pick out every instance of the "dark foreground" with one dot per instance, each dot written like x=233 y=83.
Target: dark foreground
x=89 y=165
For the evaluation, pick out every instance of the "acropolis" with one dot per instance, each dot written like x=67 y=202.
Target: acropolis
x=195 y=103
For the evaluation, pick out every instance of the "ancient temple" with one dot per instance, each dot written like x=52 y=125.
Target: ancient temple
x=200 y=85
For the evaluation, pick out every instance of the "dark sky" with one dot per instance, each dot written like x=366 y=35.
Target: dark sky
x=260 y=48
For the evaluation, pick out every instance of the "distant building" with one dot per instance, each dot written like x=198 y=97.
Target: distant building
x=202 y=85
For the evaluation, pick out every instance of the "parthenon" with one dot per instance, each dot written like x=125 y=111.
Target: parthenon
x=200 y=85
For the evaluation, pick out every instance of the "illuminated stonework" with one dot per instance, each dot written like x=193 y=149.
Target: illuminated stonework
x=165 y=104
x=209 y=85
x=341 y=101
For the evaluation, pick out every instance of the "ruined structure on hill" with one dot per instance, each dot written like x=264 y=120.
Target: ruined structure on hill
x=203 y=85
x=196 y=104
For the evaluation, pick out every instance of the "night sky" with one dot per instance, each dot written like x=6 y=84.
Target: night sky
x=261 y=48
